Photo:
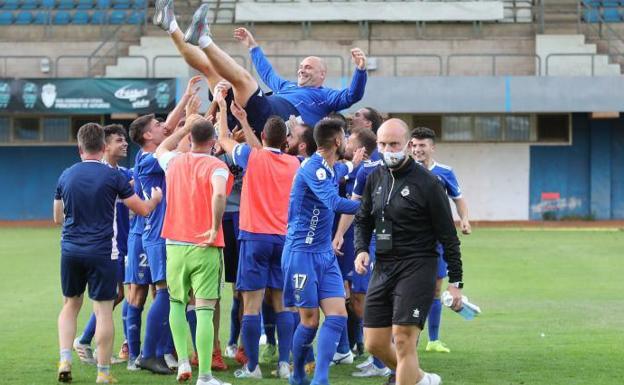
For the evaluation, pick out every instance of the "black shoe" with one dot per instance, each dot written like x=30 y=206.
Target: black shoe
x=360 y=349
x=154 y=365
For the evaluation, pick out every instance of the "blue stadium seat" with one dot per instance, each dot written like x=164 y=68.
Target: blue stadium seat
x=140 y=4
x=98 y=17
x=121 y=4
x=24 y=18
x=136 y=18
x=48 y=4
x=85 y=4
x=10 y=4
x=29 y=4
x=42 y=18
x=591 y=15
x=611 y=15
x=117 y=17
x=6 y=18
x=103 y=4
x=65 y=4
x=610 y=3
x=592 y=3
x=81 y=18
x=61 y=18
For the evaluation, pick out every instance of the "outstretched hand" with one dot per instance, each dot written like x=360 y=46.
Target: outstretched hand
x=193 y=85
x=359 y=58
x=245 y=37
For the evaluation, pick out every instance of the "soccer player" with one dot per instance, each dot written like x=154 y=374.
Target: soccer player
x=312 y=277
x=300 y=140
x=116 y=149
x=367 y=117
x=422 y=147
x=263 y=218
x=85 y=204
x=306 y=98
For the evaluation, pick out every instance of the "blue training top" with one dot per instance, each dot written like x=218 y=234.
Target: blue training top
x=152 y=175
x=313 y=103
x=446 y=175
x=89 y=190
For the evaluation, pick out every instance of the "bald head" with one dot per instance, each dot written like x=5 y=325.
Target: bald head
x=393 y=135
x=312 y=72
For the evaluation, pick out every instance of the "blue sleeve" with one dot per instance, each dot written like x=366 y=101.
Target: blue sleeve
x=339 y=100
x=124 y=190
x=240 y=155
x=360 y=182
x=58 y=195
x=452 y=185
x=265 y=70
x=324 y=189
x=341 y=170
x=149 y=165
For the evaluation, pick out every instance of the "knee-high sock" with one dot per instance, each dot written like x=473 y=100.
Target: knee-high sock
x=165 y=345
x=360 y=331
x=179 y=330
x=435 y=313
x=191 y=318
x=352 y=324
x=234 y=322
x=250 y=331
x=124 y=318
x=269 y=320
x=343 y=344
x=309 y=350
x=205 y=338
x=301 y=345
x=156 y=318
x=89 y=331
x=329 y=335
x=133 y=321
x=377 y=362
x=284 y=322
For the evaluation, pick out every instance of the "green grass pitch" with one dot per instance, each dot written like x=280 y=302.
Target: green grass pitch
x=552 y=301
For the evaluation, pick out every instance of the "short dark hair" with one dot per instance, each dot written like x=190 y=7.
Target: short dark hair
x=307 y=137
x=423 y=133
x=275 y=131
x=138 y=127
x=91 y=138
x=367 y=139
x=202 y=131
x=374 y=117
x=326 y=131
x=340 y=117
x=114 y=129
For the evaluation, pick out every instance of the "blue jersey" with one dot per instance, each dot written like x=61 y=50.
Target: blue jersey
x=313 y=200
x=367 y=167
x=137 y=223
x=89 y=190
x=313 y=103
x=446 y=175
x=122 y=218
x=152 y=175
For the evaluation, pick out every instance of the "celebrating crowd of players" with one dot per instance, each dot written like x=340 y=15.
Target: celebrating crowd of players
x=264 y=190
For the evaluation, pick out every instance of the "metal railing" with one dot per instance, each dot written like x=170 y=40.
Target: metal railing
x=156 y=59
x=591 y=56
x=396 y=58
x=90 y=58
x=6 y=58
x=494 y=58
x=601 y=28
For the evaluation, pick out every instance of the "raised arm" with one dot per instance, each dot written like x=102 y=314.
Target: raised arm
x=177 y=113
x=341 y=99
x=260 y=62
x=241 y=115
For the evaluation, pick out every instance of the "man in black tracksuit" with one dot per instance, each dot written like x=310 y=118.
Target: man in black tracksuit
x=407 y=207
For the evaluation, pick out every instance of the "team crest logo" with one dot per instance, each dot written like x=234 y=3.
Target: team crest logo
x=416 y=313
x=5 y=94
x=321 y=174
x=163 y=95
x=405 y=192
x=48 y=95
x=29 y=95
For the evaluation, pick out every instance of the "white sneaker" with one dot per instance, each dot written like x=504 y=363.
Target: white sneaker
x=372 y=371
x=211 y=381
x=245 y=373
x=430 y=379
x=184 y=372
x=84 y=351
x=171 y=361
x=230 y=351
x=362 y=365
x=263 y=339
x=132 y=365
x=339 y=358
x=283 y=370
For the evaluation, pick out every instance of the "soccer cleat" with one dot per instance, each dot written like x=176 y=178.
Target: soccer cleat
x=103 y=378
x=124 y=352
x=171 y=361
x=359 y=349
x=217 y=361
x=199 y=25
x=391 y=379
x=283 y=370
x=340 y=358
x=372 y=371
x=245 y=373
x=184 y=372
x=240 y=356
x=310 y=367
x=154 y=365
x=230 y=351
x=133 y=365
x=211 y=381
x=269 y=354
x=362 y=365
x=64 y=371
x=437 y=347
x=430 y=379
x=84 y=351
x=164 y=14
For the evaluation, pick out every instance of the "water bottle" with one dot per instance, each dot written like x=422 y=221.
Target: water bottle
x=468 y=310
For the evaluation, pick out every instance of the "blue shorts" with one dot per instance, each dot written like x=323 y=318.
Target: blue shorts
x=157 y=260
x=442 y=266
x=99 y=272
x=359 y=283
x=348 y=258
x=310 y=278
x=137 y=267
x=260 y=107
x=259 y=265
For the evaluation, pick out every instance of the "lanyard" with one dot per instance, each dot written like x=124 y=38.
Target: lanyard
x=388 y=194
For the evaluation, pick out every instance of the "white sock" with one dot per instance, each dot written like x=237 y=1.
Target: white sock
x=173 y=27
x=205 y=41
x=66 y=355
